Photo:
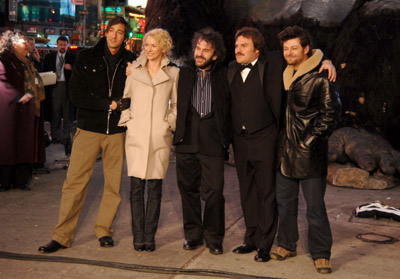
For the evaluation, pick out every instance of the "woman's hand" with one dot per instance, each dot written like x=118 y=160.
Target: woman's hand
x=24 y=99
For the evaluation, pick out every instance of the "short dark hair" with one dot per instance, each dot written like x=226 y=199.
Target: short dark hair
x=254 y=34
x=212 y=37
x=118 y=20
x=62 y=38
x=293 y=32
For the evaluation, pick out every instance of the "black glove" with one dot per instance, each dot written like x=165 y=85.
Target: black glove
x=122 y=103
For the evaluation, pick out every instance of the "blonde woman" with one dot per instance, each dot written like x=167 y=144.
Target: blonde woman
x=152 y=88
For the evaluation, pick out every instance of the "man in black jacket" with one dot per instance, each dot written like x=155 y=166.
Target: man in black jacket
x=96 y=88
x=57 y=96
x=202 y=139
x=312 y=112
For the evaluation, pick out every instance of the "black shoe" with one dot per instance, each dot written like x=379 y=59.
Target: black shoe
x=244 y=249
x=192 y=244
x=106 y=241
x=149 y=247
x=215 y=249
x=261 y=256
x=51 y=247
x=138 y=247
x=24 y=187
x=4 y=189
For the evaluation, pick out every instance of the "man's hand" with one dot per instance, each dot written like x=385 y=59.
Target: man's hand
x=67 y=67
x=36 y=55
x=120 y=104
x=128 y=69
x=327 y=65
x=114 y=105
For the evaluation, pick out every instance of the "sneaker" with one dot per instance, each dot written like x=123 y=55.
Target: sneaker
x=280 y=253
x=323 y=266
x=378 y=209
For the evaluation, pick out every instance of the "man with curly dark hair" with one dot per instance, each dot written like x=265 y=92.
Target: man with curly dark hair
x=202 y=139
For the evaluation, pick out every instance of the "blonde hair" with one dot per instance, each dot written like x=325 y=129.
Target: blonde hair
x=162 y=38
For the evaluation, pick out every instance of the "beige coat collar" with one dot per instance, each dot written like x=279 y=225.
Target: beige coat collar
x=308 y=65
x=142 y=74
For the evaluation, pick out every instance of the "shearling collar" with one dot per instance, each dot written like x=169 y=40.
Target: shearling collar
x=307 y=66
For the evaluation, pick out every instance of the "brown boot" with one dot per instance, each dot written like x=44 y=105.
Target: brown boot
x=323 y=266
x=280 y=253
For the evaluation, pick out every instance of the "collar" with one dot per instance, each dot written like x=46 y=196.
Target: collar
x=142 y=60
x=313 y=61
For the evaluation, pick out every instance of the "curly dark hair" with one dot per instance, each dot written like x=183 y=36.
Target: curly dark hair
x=212 y=37
x=8 y=38
x=255 y=35
x=293 y=32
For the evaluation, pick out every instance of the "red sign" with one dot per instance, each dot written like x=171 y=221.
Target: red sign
x=77 y=2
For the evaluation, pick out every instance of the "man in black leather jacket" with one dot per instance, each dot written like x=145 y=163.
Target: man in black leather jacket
x=96 y=88
x=312 y=112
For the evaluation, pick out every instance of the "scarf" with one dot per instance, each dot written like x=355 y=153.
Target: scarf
x=33 y=83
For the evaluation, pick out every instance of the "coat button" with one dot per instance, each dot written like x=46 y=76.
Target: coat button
x=94 y=70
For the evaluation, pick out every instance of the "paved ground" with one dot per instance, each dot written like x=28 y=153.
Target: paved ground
x=28 y=218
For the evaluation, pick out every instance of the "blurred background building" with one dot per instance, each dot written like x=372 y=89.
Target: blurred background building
x=82 y=21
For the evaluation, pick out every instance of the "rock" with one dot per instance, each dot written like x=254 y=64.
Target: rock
x=370 y=152
x=350 y=176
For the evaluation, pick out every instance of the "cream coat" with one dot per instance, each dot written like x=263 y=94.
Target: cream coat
x=150 y=119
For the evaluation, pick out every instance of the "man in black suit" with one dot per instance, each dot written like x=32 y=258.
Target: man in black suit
x=202 y=138
x=257 y=96
x=61 y=63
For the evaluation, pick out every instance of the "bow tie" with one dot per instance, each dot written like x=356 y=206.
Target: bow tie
x=242 y=67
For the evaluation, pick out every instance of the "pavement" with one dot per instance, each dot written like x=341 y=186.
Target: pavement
x=27 y=220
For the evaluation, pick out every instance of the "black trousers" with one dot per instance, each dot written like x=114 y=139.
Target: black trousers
x=60 y=110
x=15 y=175
x=145 y=219
x=202 y=177
x=255 y=167
x=319 y=231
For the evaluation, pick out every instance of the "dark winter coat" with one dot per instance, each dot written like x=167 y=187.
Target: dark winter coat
x=220 y=99
x=312 y=112
x=17 y=120
x=91 y=90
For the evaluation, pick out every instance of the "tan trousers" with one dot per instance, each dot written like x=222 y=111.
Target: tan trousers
x=85 y=149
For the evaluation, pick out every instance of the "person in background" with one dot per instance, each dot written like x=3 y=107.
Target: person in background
x=33 y=54
x=40 y=142
x=152 y=88
x=97 y=85
x=61 y=63
x=21 y=93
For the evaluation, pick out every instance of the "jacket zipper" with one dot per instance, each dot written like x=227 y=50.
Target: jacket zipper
x=110 y=86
